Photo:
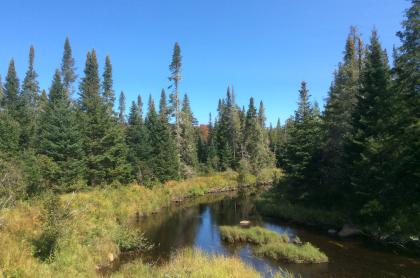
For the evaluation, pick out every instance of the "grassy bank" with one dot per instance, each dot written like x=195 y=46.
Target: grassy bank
x=87 y=230
x=273 y=245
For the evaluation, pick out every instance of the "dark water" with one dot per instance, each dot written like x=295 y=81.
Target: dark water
x=196 y=224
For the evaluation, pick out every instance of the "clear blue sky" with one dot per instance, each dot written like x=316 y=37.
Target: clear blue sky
x=264 y=48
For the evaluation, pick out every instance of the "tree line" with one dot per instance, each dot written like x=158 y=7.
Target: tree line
x=361 y=155
x=55 y=141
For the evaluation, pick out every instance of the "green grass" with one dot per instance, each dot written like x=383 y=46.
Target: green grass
x=255 y=235
x=273 y=245
x=305 y=253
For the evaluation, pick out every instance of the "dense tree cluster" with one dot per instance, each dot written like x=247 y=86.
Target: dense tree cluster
x=362 y=154
x=60 y=142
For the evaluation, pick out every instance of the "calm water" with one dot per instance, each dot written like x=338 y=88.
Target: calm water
x=196 y=224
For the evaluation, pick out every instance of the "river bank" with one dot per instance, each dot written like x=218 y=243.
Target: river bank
x=87 y=235
x=335 y=223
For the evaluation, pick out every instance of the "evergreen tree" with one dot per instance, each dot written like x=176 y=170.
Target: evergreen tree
x=121 y=108
x=212 y=158
x=405 y=128
x=11 y=91
x=28 y=102
x=235 y=135
x=104 y=142
x=163 y=108
x=30 y=87
x=367 y=150
x=163 y=159
x=257 y=149
x=9 y=133
x=338 y=125
x=68 y=69
x=138 y=144
x=189 y=138
x=107 y=83
x=302 y=147
x=175 y=77
x=222 y=142
x=60 y=140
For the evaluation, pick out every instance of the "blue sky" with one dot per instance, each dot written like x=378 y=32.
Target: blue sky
x=263 y=48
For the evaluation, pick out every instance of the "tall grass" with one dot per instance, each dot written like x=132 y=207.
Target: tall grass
x=94 y=227
x=192 y=264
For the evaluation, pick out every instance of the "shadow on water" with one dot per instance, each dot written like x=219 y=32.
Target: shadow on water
x=195 y=223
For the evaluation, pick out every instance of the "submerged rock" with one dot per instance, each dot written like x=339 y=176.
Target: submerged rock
x=349 y=230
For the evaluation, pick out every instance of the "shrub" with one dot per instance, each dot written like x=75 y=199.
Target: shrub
x=53 y=217
x=131 y=239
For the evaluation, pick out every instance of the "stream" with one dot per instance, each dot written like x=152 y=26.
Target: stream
x=195 y=223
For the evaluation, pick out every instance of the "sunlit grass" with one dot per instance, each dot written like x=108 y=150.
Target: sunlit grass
x=191 y=263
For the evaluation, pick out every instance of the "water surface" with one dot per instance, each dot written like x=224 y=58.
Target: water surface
x=195 y=223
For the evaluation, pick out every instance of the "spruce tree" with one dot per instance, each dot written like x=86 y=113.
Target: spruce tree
x=163 y=159
x=121 y=108
x=104 y=142
x=28 y=102
x=68 y=69
x=338 y=123
x=405 y=143
x=367 y=148
x=256 y=145
x=302 y=147
x=175 y=76
x=138 y=144
x=60 y=139
x=9 y=134
x=163 y=107
x=189 y=138
x=11 y=91
x=30 y=87
x=107 y=83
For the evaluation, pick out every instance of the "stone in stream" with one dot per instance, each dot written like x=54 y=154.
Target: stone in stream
x=245 y=222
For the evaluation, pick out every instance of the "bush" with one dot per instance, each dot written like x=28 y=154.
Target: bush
x=53 y=222
x=131 y=239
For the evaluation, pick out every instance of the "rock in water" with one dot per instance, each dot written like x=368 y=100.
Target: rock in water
x=245 y=222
